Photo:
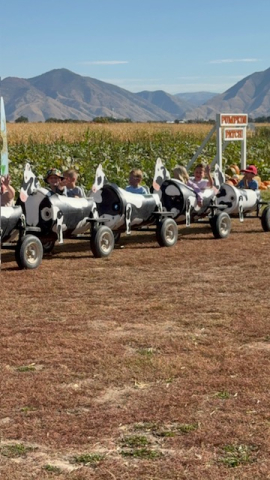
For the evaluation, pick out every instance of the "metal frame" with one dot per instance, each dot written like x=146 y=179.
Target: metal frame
x=237 y=123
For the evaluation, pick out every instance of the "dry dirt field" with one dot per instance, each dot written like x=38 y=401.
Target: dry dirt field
x=150 y=364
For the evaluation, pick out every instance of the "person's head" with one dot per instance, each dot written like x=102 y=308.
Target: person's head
x=199 y=172
x=180 y=173
x=71 y=177
x=53 y=177
x=250 y=172
x=135 y=177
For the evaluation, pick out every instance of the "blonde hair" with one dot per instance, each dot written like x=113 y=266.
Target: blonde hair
x=181 y=174
x=71 y=173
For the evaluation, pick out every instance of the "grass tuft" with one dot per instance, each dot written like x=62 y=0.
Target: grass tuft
x=15 y=450
x=134 y=441
x=26 y=368
x=52 y=469
x=88 y=458
x=223 y=395
x=236 y=455
x=145 y=453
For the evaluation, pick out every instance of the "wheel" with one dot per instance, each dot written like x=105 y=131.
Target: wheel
x=221 y=225
x=167 y=232
x=29 y=252
x=102 y=242
x=265 y=219
x=48 y=247
x=117 y=236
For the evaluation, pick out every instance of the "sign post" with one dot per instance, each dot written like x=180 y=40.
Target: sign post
x=228 y=127
x=234 y=126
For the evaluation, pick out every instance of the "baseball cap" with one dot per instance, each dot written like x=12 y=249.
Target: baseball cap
x=53 y=171
x=250 y=169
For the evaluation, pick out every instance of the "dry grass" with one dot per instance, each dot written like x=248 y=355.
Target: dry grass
x=73 y=132
x=151 y=364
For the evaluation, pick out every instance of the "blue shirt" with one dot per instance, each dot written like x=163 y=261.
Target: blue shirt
x=252 y=184
x=140 y=189
x=75 y=192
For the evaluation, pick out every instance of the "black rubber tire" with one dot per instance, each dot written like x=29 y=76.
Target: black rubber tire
x=48 y=246
x=265 y=219
x=167 y=232
x=221 y=225
x=29 y=252
x=102 y=241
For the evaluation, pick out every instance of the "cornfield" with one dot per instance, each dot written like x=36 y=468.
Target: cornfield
x=120 y=147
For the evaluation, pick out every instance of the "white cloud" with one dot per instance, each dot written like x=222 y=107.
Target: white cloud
x=235 y=60
x=105 y=62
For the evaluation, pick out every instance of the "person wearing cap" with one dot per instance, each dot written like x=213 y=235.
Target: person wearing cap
x=248 y=180
x=56 y=181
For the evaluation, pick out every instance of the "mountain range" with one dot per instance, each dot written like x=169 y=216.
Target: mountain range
x=62 y=94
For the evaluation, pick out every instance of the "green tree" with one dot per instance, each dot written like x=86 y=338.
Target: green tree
x=21 y=119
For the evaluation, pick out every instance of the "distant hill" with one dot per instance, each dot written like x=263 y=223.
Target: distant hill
x=63 y=94
x=170 y=103
x=251 y=95
x=195 y=98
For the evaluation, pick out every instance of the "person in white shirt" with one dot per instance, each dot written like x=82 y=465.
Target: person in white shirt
x=199 y=179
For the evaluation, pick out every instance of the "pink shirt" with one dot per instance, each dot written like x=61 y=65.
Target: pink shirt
x=201 y=184
x=197 y=189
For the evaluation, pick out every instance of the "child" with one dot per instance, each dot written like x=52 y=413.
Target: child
x=71 y=177
x=248 y=180
x=7 y=192
x=199 y=177
x=135 y=178
x=56 y=181
x=181 y=174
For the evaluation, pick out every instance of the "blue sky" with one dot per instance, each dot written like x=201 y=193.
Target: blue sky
x=171 y=45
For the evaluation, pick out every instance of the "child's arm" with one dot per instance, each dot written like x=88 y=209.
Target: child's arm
x=208 y=174
x=9 y=189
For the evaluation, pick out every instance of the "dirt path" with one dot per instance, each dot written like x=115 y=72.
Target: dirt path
x=151 y=364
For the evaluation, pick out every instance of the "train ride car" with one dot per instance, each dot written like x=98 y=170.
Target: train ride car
x=123 y=211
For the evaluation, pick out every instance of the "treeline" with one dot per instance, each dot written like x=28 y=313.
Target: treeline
x=23 y=119
x=105 y=120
